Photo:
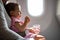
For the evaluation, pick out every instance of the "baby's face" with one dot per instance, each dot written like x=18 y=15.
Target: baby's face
x=16 y=12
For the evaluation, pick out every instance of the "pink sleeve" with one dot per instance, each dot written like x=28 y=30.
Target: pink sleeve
x=19 y=21
x=16 y=20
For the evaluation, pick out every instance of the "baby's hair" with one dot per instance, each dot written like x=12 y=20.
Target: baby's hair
x=10 y=7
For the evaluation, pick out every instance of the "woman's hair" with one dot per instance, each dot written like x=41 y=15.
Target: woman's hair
x=10 y=7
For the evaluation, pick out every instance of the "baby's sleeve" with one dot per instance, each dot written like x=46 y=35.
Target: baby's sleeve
x=18 y=21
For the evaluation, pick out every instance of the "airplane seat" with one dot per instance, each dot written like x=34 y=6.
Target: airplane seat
x=5 y=32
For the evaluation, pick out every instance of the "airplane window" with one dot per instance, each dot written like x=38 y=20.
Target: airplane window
x=35 y=7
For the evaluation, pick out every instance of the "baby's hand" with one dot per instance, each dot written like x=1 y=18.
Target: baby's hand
x=27 y=19
x=34 y=30
x=31 y=31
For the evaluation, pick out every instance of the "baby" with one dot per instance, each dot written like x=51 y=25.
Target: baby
x=15 y=14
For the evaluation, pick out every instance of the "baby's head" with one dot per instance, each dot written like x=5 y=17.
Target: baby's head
x=13 y=10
